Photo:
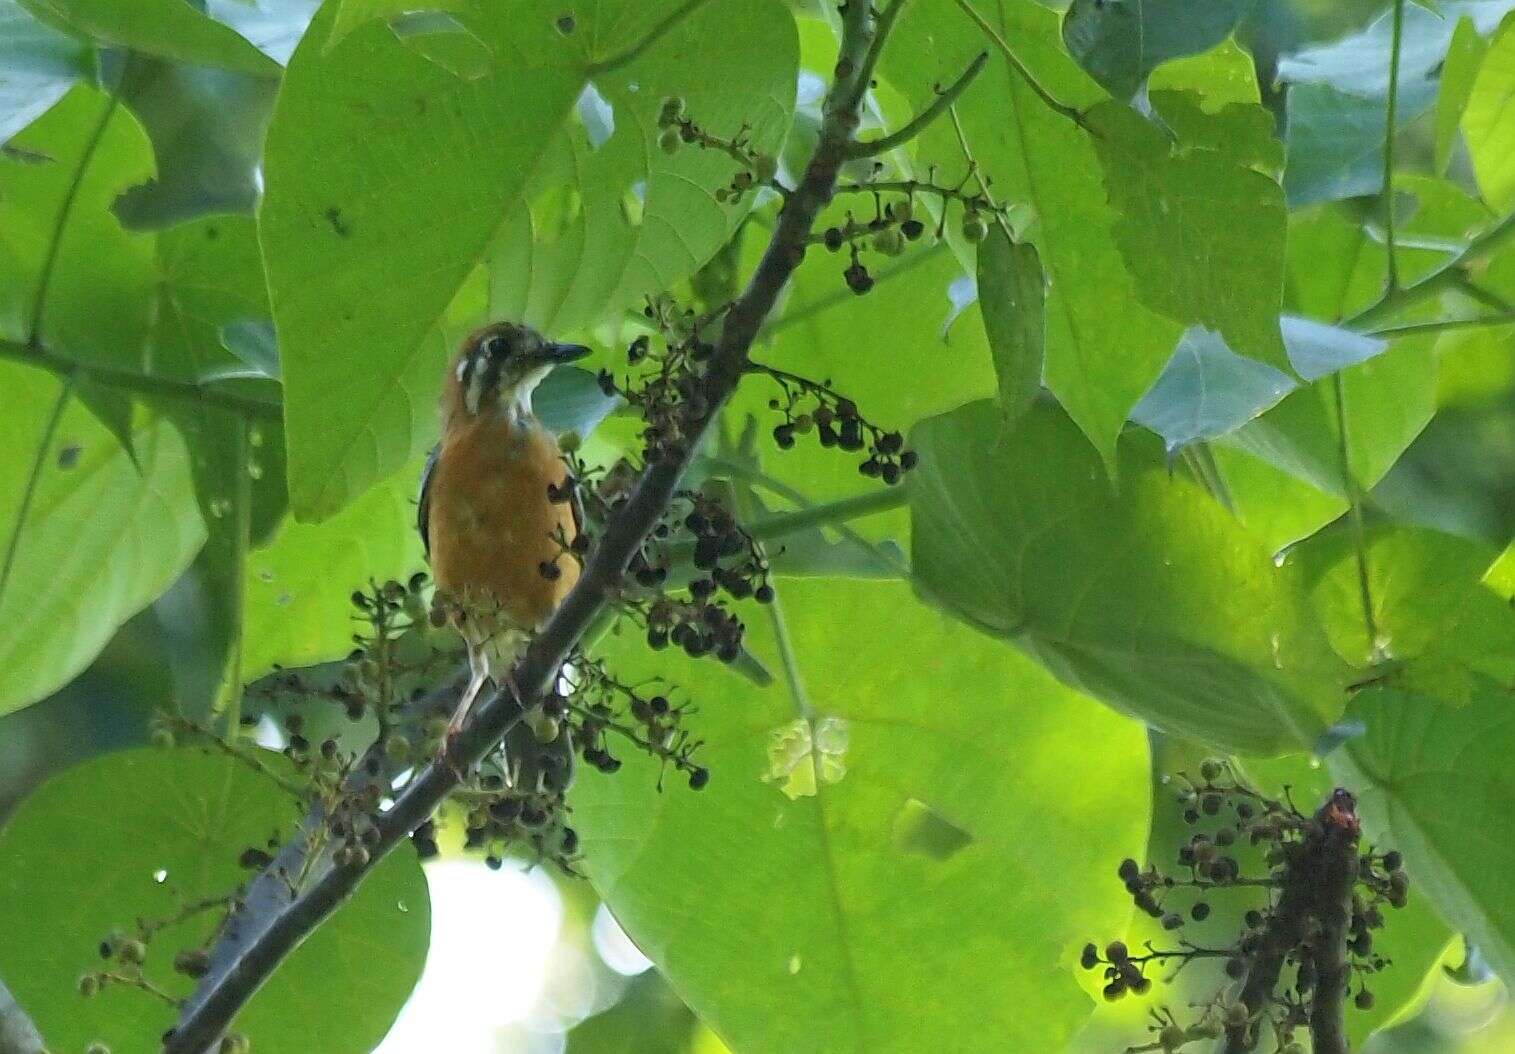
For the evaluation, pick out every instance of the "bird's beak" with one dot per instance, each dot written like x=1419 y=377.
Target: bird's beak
x=552 y=354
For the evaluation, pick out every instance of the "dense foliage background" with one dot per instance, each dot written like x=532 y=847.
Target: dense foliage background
x=1227 y=464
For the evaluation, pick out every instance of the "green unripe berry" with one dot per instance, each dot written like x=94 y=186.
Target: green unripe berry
x=134 y=952
x=89 y=984
x=975 y=228
x=765 y=168
x=546 y=729
x=889 y=241
x=397 y=748
x=1363 y=1000
x=669 y=141
x=97 y=1048
x=1211 y=769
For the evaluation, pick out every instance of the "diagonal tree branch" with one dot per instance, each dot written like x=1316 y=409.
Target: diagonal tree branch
x=209 y=1011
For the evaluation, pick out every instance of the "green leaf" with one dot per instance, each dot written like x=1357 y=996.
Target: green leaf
x=1151 y=597
x=170 y=29
x=1120 y=43
x=1317 y=350
x=1427 y=777
x=1464 y=57
x=117 y=823
x=1275 y=506
x=1012 y=291
x=1202 y=233
x=1359 y=62
x=297 y=607
x=79 y=573
x=867 y=825
x=207 y=129
x=1336 y=265
x=1104 y=346
x=336 y=247
x=1223 y=75
x=1207 y=391
x=56 y=219
x=1488 y=123
x=1334 y=144
x=40 y=66
x=648 y=1019
x=1389 y=400
x=1430 y=608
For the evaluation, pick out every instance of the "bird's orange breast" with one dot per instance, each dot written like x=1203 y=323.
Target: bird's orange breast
x=492 y=524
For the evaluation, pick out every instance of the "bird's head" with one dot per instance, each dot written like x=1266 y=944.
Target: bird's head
x=500 y=365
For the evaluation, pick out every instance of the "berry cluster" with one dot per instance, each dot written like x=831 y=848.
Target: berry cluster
x=600 y=705
x=679 y=130
x=669 y=390
x=811 y=407
x=125 y=957
x=1323 y=898
x=517 y=799
x=896 y=219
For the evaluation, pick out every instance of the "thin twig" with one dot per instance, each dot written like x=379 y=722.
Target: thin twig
x=1063 y=109
x=1450 y=275
x=1354 y=511
x=223 y=992
x=918 y=123
x=1444 y=325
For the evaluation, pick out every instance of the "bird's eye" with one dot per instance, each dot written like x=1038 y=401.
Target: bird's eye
x=496 y=347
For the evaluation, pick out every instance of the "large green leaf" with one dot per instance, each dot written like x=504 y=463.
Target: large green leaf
x=100 y=539
x=1119 y=44
x=1150 y=597
x=894 y=855
x=168 y=28
x=1488 y=123
x=1201 y=230
x=1432 y=781
x=157 y=830
x=1104 y=346
x=351 y=216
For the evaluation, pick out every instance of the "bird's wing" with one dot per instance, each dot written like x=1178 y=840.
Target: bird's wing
x=423 y=503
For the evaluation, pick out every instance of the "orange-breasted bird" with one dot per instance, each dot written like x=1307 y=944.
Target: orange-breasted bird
x=493 y=532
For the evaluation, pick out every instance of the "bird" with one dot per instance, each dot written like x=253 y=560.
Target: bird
x=492 y=513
